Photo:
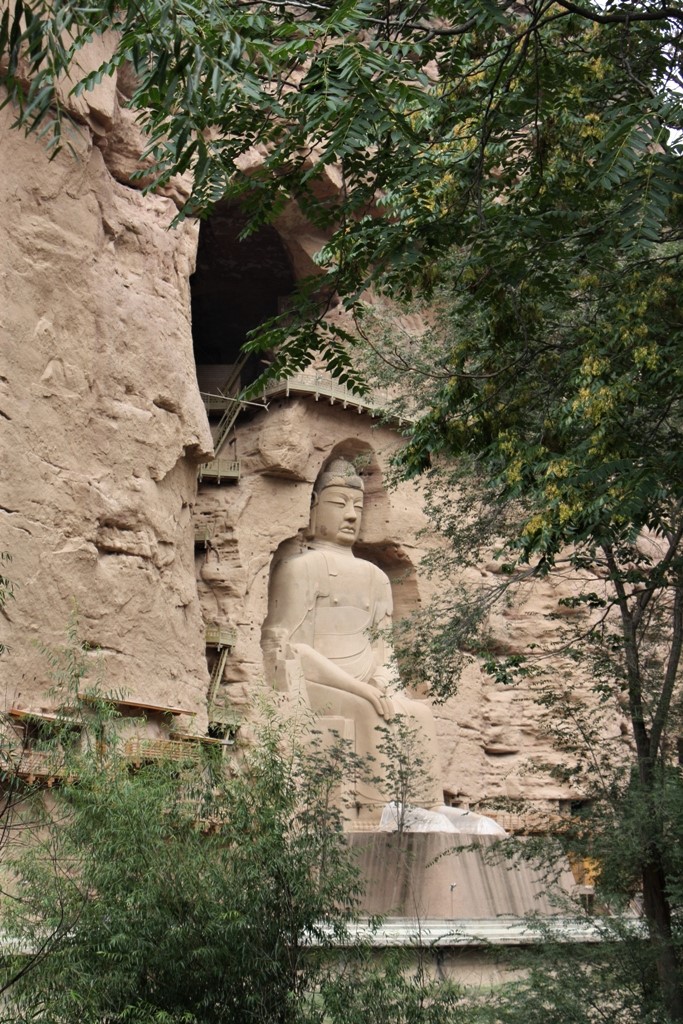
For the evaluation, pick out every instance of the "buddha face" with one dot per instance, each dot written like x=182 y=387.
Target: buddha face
x=337 y=515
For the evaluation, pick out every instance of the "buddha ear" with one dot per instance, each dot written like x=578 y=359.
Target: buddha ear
x=313 y=520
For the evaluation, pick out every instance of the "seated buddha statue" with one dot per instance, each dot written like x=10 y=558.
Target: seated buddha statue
x=325 y=635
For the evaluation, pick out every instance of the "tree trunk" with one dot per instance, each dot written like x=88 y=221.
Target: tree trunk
x=658 y=916
x=655 y=898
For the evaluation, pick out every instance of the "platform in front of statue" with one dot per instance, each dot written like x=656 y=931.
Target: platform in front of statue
x=446 y=876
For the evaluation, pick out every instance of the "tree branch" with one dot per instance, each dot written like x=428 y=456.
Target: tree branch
x=647 y=594
x=622 y=18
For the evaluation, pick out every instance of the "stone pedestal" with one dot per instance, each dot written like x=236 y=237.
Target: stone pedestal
x=454 y=877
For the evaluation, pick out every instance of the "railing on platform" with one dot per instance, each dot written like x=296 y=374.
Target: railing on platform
x=227 y=718
x=528 y=822
x=217 y=402
x=220 y=636
x=34 y=765
x=139 y=750
x=220 y=471
x=203 y=532
x=320 y=385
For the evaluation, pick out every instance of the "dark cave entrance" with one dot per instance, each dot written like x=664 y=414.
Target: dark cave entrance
x=238 y=285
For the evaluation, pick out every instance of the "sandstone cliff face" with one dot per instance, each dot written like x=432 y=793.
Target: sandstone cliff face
x=102 y=430
x=102 y=426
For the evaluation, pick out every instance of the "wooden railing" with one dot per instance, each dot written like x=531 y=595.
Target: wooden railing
x=220 y=636
x=219 y=470
x=33 y=765
x=527 y=822
x=321 y=386
x=139 y=750
x=203 y=532
x=217 y=403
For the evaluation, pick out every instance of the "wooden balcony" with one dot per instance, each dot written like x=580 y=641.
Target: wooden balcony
x=527 y=823
x=211 y=742
x=43 y=766
x=220 y=636
x=203 y=533
x=216 y=402
x=139 y=750
x=225 y=399
x=219 y=471
x=225 y=721
x=320 y=385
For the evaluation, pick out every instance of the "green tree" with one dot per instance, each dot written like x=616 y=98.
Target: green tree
x=404 y=769
x=394 y=989
x=178 y=893
x=184 y=895
x=561 y=983
x=563 y=415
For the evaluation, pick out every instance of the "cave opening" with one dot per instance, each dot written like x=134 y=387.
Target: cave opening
x=238 y=285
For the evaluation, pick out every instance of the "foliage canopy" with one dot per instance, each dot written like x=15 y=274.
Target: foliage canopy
x=537 y=139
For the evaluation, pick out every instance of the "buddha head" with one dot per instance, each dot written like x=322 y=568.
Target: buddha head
x=337 y=504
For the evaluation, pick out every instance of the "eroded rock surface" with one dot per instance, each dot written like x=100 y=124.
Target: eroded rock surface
x=102 y=427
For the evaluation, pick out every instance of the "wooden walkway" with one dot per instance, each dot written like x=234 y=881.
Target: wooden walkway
x=317 y=385
x=219 y=471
